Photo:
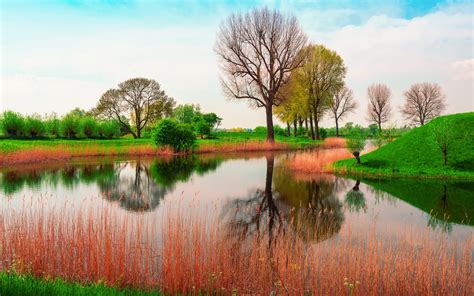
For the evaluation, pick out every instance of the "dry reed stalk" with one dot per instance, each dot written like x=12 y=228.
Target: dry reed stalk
x=317 y=161
x=197 y=255
x=249 y=146
x=334 y=142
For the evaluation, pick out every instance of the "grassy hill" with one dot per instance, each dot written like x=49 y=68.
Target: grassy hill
x=416 y=153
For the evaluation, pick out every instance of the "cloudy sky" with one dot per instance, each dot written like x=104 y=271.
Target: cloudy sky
x=58 y=55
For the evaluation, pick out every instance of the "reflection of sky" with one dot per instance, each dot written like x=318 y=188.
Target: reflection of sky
x=206 y=194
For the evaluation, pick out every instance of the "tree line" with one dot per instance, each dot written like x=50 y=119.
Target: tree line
x=265 y=58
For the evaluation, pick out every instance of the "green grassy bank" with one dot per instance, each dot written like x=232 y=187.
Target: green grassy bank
x=26 y=285
x=219 y=138
x=416 y=154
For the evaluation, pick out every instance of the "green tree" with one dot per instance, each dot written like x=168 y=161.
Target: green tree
x=356 y=143
x=187 y=113
x=108 y=129
x=12 y=124
x=443 y=137
x=89 y=126
x=321 y=76
x=70 y=126
x=34 y=126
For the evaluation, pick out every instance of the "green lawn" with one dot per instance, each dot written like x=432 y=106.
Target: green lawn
x=415 y=154
x=26 y=285
x=9 y=145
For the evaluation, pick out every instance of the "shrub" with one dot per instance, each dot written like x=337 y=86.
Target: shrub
x=34 y=127
x=260 y=130
x=12 y=124
x=178 y=136
x=323 y=133
x=202 y=128
x=89 y=127
x=108 y=129
x=70 y=126
x=278 y=130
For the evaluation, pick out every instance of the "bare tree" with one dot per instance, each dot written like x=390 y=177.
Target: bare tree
x=136 y=103
x=379 y=110
x=424 y=101
x=257 y=52
x=341 y=104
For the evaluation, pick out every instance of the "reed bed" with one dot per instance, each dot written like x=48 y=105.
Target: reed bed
x=334 y=142
x=249 y=146
x=317 y=161
x=189 y=255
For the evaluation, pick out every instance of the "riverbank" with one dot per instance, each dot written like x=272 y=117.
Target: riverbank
x=417 y=153
x=15 y=152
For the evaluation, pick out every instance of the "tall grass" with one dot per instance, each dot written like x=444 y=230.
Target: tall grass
x=186 y=254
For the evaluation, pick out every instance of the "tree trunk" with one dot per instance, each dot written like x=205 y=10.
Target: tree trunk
x=337 y=128
x=380 y=125
x=270 y=132
x=306 y=123
x=357 y=156
x=356 y=186
x=316 y=126
x=288 y=129
x=311 y=125
x=295 y=128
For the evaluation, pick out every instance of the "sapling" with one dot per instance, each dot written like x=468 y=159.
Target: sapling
x=355 y=143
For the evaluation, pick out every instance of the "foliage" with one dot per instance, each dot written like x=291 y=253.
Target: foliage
x=416 y=154
x=323 y=133
x=70 y=126
x=356 y=143
x=186 y=113
x=89 y=126
x=260 y=130
x=178 y=136
x=53 y=126
x=34 y=126
x=12 y=124
x=108 y=129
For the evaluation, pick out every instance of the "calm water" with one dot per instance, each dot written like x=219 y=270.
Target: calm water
x=249 y=192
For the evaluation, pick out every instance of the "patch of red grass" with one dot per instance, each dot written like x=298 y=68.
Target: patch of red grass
x=334 y=142
x=65 y=153
x=317 y=161
x=250 y=146
x=120 y=249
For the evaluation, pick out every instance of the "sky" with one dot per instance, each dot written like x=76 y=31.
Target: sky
x=58 y=55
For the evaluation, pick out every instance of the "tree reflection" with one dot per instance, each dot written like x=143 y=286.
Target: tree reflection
x=309 y=209
x=355 y=199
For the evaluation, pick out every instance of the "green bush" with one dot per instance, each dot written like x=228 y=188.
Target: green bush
x=12 y=124
x=34 y=127
x=323 y=133
x=278 y=130
x=108 y=129
x=70 y=126
x=178 y=136
x=89 y=127
x=260 y=130
x=202 y=128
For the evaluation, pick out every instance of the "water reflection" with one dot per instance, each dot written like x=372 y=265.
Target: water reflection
x=310 y=209
x=355 y=199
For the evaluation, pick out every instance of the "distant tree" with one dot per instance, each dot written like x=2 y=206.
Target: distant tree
x=443 y=137
x=135 y=104
x=70 y=126
x=257 y=52
x=89 y=126
x=12 y=124
x=212 y=120
x=423 y=102
x=379 y=110
x=187 y=113
x=341 y=104
x=355 y=143
x=373 y=128
x=321 y=75
x=53 y=125
x=34 y=126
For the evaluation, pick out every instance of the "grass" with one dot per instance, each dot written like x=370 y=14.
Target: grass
x=26 y=285
x=415 y=154
x=14 y=152
x=99 y=244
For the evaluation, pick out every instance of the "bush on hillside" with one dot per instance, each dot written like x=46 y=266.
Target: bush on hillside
x=12 y=124
x=178 y=136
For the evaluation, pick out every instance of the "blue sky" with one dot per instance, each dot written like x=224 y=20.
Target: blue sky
x=56 y=55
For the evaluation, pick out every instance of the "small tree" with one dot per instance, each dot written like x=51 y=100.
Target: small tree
x=89 y=126
x=443 y=137
x=178 y=136
x=53 y=125
x=202 y=128
x=341 y=104
x=379 y=109
x=34 y=126
x=355 y=143
x=70 y=126
x=424 y=101
x=108 y=129
x=12 y=124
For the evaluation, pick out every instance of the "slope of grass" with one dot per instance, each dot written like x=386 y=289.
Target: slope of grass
x=416 y=154
x=25 y=285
